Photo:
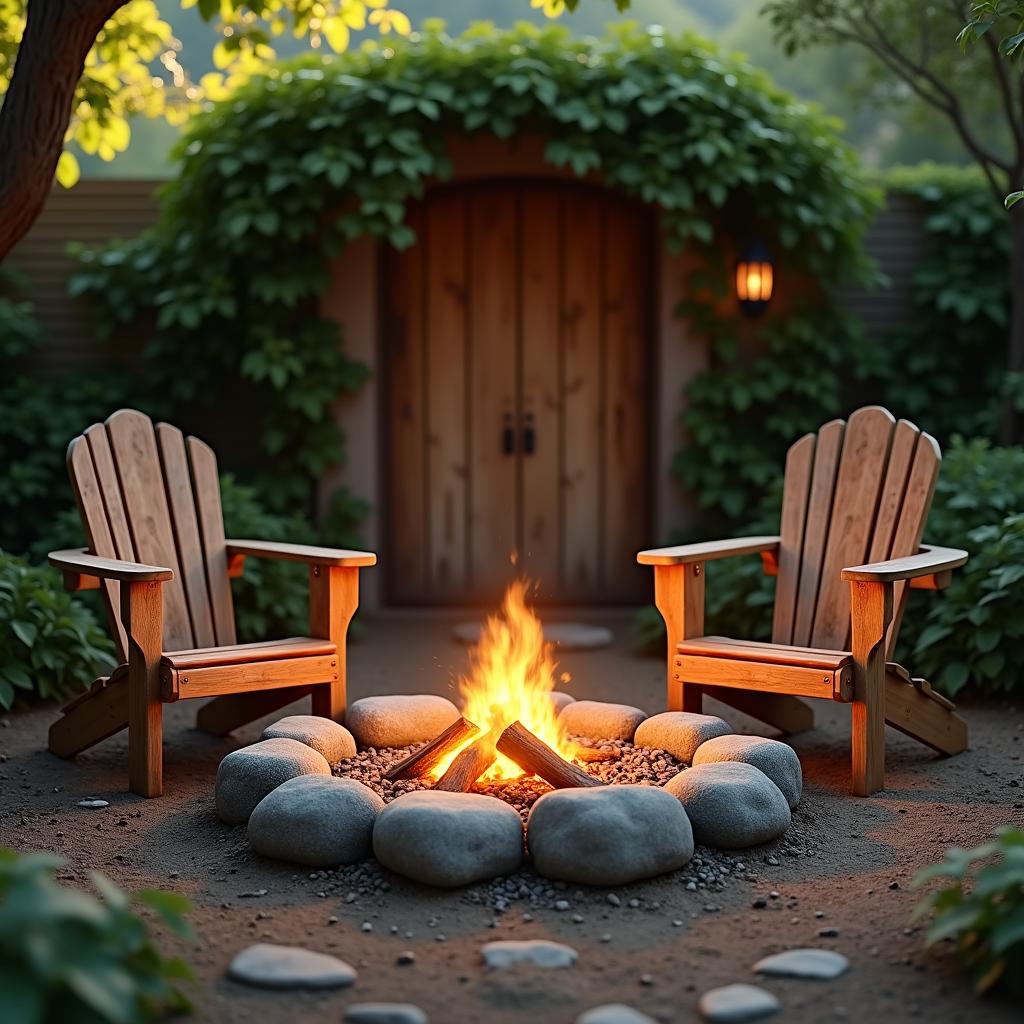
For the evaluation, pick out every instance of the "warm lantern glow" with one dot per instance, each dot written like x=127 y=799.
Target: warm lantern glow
x=511 y=678
x=754 y=279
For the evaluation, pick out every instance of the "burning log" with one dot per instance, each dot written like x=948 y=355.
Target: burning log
x=590 y=755
x=469 y=765
x=535 y=757
x=423 y=761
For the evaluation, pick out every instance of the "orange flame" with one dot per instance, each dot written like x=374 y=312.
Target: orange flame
x=512 y=675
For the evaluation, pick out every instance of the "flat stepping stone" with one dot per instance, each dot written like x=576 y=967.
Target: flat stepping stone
x=730 y=804
x=289 y=967
x=777 y=760
x=316 y=820
x=399 y=720
x=600 y=720
x=537 y=952
x=566 y=636
x=247 y=775
x=608 y=835
x=384 y=1013
x=332 y=740
x=732 y=1004
x=823 y=964
x=614 y=1013
x=449 y=839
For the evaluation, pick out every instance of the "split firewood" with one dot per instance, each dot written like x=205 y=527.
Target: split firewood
x=535 y=757
x=423 y=761
x=592 y=755
x=469 y=765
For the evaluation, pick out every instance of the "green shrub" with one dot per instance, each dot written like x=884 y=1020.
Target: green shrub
x=981 y=910
x=67 y=957
x=271 y=597
x=51 y=645
x=973 y=632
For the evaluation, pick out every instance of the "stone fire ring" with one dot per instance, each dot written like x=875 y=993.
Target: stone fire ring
x=731 y=792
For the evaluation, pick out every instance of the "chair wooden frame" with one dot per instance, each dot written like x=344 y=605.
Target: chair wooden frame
x=158 y=611
x=767 y=680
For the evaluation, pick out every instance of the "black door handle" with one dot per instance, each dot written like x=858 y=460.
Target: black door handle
x=529 y=436
x=508 y=436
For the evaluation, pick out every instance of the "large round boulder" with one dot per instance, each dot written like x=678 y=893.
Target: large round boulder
x=730 y=804
x=680 y=733
x=247 y=775
x=608 y=835
x=777 y=760
x=448 y=839
x=600 y=721
x=332 y=740
x=316 y=820
x=399 y=720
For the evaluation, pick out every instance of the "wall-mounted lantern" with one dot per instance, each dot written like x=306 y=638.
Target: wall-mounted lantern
x=754 y=279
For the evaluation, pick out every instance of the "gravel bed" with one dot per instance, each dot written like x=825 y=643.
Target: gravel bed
x=631 y=765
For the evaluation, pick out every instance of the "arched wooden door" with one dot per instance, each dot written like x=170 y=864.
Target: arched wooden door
x=517 y=354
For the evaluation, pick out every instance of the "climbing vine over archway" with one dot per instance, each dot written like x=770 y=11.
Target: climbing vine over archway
x=324 y=150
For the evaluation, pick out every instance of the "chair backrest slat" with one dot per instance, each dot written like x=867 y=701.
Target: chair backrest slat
x=171 y=445
x=799 y=462
x=819 y=509
x=93 y=511
x=867 y=499
x=150 y=495
x=206 y=487
x=866 y=445
x=917 y=501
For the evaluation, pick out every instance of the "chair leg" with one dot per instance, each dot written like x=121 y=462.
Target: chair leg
x=871 y=613
x=333 y=599
x=142 y=616
x=679 y=596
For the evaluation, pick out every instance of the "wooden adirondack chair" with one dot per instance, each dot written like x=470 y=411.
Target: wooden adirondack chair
x=854 y=506
x=150 y=504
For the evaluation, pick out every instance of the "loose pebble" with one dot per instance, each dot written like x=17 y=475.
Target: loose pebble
x=94 y=804
x=384 y=1013
x=289 y=967
x=614 y=1013
x=732 y=1004
x=538 y=952
x=803 y=963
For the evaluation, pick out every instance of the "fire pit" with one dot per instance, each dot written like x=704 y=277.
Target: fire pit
x=440 y=794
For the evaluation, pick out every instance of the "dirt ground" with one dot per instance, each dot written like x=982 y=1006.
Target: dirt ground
x=857 y=858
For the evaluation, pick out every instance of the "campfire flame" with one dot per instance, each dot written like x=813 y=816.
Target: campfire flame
x=512 y=675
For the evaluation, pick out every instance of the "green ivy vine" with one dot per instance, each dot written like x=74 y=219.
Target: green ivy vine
x=324 y=150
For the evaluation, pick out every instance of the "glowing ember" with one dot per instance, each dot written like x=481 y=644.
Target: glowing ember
x=511 y=678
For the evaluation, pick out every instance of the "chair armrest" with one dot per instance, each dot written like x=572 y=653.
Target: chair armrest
x=301 y=553
x=929 y=561
x=707 y=550
x=79 y=561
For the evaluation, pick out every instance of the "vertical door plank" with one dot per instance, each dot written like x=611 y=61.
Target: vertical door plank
x=626 y=480
x=171 y=445
x=97 y=531
x=795 y=496
x=406 y=506
x=866 y=446
x=133 y=445
x=541 y=397
x=447 y=455
x=917 y=502
x=819 y=513
x=493 y=389
x=904 y=442
x=582 y=396
x=206 y=486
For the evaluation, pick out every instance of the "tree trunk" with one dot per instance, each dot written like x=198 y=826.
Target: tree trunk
x=1012 y=419
x=37 y=105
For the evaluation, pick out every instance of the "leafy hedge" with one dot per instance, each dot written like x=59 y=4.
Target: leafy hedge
x=68 y=957
x=324 y=150
x=51 y=644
